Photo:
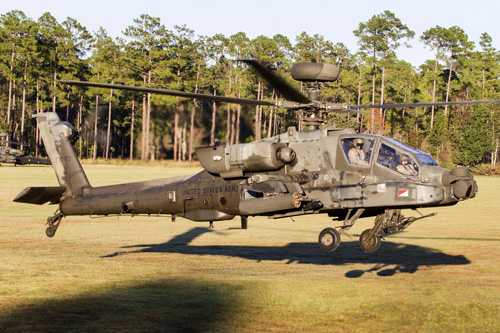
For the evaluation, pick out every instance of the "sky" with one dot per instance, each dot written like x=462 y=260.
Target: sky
x=335 y=20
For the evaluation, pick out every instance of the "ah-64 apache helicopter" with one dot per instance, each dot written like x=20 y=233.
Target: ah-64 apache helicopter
x=321 y=170
x=16 y=156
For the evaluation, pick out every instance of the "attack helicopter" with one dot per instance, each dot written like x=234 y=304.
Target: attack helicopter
x=338 y=172
x=16 y=156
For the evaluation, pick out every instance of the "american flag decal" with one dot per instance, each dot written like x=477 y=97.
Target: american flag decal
x=403 y=193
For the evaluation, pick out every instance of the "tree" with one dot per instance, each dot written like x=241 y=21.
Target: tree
x=238 y=49
x=472 y=141
x=201 y=54
x=107 y=59
x=490 y=70
x=312 y=48
x=146 y=51
x=180 y=63
x=381 y=35
x=457 y=43
x=29 y=54
x=34 y=56
x=216 y=49
x=15 y=34
x=56 y=44
x=436 y=39
x=273 y=53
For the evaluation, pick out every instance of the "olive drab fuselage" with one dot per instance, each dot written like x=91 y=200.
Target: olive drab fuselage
x=15 y=156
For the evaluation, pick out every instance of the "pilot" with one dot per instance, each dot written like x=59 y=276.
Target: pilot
x=356 y=153
x=405 y=167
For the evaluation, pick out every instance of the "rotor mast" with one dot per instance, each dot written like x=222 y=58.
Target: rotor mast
x=312 y=115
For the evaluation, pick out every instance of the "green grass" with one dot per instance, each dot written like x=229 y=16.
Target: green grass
x=149 y=274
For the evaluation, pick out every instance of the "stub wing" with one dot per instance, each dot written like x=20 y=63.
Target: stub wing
x=40 y=195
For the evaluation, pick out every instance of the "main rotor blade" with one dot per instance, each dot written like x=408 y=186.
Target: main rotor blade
x=340 y=108
x=281 y=85
x=216 y=98
x=414 y=105
x=353 y=111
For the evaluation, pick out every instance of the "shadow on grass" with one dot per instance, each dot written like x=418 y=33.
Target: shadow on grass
x=450 y=238
x=392 y=257
x=162 y=306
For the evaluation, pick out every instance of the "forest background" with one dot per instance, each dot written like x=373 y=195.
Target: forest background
x=36 y=54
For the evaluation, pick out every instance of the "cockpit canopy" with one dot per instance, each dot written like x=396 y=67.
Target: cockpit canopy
x=364 y=150
x=423 y=158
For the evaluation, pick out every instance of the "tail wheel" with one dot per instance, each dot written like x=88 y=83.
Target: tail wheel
x=329 y=240
x=50 y=231
x=53 y=223
x=369 y=244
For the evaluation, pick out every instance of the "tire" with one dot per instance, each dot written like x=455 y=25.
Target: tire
x=329 y=240
x=369 y=245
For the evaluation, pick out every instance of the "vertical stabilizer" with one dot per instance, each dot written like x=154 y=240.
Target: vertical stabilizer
x=56 y=136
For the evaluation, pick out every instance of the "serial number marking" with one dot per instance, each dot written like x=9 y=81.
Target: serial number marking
x=63 y=159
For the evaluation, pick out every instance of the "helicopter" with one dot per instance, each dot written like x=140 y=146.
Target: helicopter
x=16 y=156
x=321 y=170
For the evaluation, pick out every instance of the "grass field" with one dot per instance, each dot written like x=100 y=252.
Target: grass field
x=148 y=274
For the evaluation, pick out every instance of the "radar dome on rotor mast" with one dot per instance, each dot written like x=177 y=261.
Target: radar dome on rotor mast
x=310 y=71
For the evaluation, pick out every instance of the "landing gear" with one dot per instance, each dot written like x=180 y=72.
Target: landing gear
x=244 y=222
x=329 y=240
x=370 y=238
x=369 y=243
x=350 y=219
x=387 y=223
x=53 y=223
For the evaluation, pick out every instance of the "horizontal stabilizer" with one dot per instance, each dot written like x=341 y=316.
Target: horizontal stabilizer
x=40 y=195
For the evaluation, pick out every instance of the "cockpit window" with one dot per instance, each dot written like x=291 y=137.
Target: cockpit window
x=397 y=160
x=358 y=151
x=424 y=158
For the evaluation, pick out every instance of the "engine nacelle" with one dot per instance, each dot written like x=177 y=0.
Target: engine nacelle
x=233 y=160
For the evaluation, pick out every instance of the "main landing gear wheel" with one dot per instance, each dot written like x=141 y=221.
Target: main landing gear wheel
x=367 y=243
x=329 y=240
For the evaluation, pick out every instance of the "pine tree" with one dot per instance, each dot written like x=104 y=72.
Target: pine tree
x=147 y=50
x=381 y=35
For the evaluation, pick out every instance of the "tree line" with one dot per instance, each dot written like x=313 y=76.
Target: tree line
x=36 y=55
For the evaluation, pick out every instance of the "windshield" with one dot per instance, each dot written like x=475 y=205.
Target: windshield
x=424 y=158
